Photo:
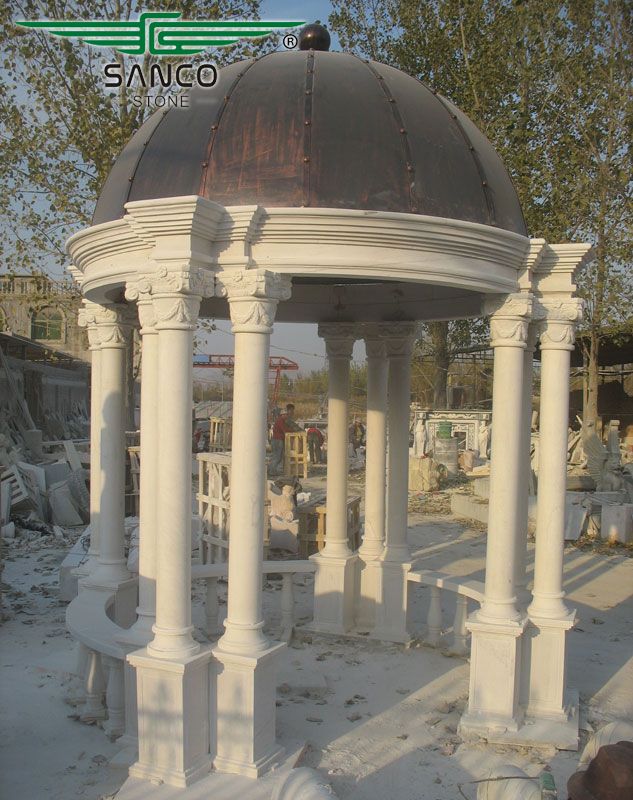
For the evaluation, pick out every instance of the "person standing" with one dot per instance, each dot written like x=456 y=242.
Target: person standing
x=315 y=442
x=283 y=424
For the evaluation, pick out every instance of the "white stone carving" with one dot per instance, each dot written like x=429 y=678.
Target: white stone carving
x=339 y=338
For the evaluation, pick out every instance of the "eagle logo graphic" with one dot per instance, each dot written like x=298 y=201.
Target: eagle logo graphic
x=159 y=33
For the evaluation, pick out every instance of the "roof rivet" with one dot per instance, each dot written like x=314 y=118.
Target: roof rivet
x=226 y=98
x=131 y=179
x=214 y=127
x=306 y=159
x=414 y=209
x=409 y=168
x=471 y=147
x=484 y=183
x=307 y=122
x=454 y=116
x=402 y=130
x=392 y=100
x=205 y=163
x=308 y=91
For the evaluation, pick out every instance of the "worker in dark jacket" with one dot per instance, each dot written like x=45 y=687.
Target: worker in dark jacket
x=315 y=442
x=283 y=424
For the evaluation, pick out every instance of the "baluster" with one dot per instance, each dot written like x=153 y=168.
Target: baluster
x=115 y=697
x=460 y=634
x=211 y=608
x=287 y=606
x=434 y=619
x=93 y=708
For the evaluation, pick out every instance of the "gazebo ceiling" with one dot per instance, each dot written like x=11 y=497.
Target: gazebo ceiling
x=318 y=130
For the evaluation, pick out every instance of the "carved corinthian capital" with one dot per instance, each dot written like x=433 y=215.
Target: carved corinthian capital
x=140 y=292
x=253 y=296
x=556 y=322
x=399 y=337
x=374 y=342
x=107 y=325
x=339 y=338
x=510 y=317
x=170 y=299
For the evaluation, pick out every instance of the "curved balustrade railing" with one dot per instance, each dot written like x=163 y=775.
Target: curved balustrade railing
x=464 y=590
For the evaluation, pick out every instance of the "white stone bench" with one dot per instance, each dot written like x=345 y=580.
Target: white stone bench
x=464 y=591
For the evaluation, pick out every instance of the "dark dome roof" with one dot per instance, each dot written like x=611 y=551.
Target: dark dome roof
x=317 y=129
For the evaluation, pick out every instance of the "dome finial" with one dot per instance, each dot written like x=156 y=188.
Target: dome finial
x=314 y=37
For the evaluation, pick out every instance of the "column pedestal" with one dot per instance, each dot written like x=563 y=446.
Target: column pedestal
x=173 y=703
x=495 y=661
x=391 y=608
x=334 y=592
x=245 y=712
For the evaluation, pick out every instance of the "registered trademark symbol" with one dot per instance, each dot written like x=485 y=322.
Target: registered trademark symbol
x=290 y=41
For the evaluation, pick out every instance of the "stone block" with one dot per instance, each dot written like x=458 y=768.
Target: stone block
x=617 y=523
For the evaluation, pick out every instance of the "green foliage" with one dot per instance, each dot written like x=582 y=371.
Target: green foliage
x=61 y=129
x=549 y=83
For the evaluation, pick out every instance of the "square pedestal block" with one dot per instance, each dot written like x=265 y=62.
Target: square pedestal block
x=495 y=662
x=391 y=602
x=367 y=581
x=245 y=712
x=543 y=679
x=334 y=593
x=173 y=717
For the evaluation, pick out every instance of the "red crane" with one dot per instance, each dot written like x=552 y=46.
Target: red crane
x=276 y=364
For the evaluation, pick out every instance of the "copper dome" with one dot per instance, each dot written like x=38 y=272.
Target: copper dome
x=322 y=130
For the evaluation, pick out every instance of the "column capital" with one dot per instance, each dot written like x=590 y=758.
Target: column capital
x=140 y=292
x=556 y=322
x=253 y=296
x=108 y=325
x=510 y=317
x=399 y=337
x=87 y=319
x=375 y=346
x=339 y=338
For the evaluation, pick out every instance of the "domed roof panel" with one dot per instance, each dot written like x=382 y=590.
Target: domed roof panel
x=257 y=151
x=356 y=154
x=116 y=188
x=322 y=130
x=437 y=151
x=180 y=144
x=502 y=196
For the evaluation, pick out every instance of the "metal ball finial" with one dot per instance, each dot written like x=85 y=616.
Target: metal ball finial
x=314 y=37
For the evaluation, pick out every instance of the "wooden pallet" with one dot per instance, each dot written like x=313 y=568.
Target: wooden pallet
x=296 y=454
x=313 y=525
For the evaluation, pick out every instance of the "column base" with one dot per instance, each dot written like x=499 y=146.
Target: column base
x=367 y=581
x=495 y=660
x=245 y=711
x=543 y=668
x=334 y=592
x=391 y=602
x=173 y=718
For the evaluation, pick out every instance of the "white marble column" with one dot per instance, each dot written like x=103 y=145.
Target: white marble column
x=247 y=660
x=373 y=543
x=112 y=324
x=498 y=626
x=550 y=618
x=520 y=576
x=87 y=320
x=334 y=583
x=149 y=452
x=173 y=737
x=391 y=608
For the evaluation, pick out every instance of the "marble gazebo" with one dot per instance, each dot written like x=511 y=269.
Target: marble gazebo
x=311 y=186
